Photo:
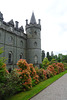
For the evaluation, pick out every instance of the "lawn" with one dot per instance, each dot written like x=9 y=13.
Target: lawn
x=35 y=90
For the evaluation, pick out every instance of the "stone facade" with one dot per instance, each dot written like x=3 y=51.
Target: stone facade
x=19 y=45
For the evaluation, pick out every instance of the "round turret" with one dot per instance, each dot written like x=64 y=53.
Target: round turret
x=33 y=41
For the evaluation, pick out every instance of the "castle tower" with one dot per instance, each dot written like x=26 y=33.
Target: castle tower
x=33 y=41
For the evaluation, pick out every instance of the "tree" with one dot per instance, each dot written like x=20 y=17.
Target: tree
x=59 y=58
x=52 y=54
x=45 y=62
x=43 y=54
x=48 y=56
x=64 y=58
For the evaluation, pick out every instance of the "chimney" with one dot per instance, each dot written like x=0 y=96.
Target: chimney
x=26 y=21
x=1 y=16
x=39 y=21
x=16 y=23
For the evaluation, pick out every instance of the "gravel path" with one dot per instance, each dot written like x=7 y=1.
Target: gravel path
x=56 y=91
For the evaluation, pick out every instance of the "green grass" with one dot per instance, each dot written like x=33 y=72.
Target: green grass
x=35 y=90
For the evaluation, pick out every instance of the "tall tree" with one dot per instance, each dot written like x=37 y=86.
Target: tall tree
x=48 y=56
x=43 y=54
x=52 y=54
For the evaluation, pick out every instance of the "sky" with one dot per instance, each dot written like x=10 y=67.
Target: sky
x=53 y=15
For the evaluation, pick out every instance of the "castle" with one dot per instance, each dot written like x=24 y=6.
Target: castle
x=19 y=45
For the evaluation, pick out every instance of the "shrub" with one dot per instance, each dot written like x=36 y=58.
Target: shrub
x=53 y=61
x=49 y=73
x=56 y=68
x=11 y=85
x=61 y=65
x=24 y=72
x=45 y=63
x=41 y=73
x=33 y=74
x=41 y=66
x=65 y=66
x=51 y=68
x=3 y=69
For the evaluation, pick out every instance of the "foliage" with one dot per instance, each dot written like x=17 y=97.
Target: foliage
x=33 y=74
x=3 y=69
x=24 y=72
x=55 y=68
x=49 y=73
x=11 y=85
x=53 y=61
x=61 y=66
x=40 y=65
x=65 y=66
x=45 y=62
x=64 y=58
x=42 y=74
x=51 y=68
x=1 y=50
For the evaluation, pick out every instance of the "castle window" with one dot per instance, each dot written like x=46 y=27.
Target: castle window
x=35 y=33
x=10 y=39
x=21 y=43
x=35 y=44
x=35 y=59
x=10 y=57
x=21 y=56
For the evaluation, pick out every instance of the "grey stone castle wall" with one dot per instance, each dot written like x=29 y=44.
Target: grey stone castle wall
x=10 y=40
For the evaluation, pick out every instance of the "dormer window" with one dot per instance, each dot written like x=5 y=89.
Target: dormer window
x=11 y=28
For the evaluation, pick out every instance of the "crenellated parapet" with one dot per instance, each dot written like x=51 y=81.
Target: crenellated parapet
x=33 y=23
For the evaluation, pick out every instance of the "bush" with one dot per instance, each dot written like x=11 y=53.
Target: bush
x=45 y=63
x=49 y=73
x=65 y=66
x=41 y=73
x=53 y=61
x=11 y=85
x=24 y=73
x=51 y=68
x=61 y=65
x=34 y=76
x=56 y=68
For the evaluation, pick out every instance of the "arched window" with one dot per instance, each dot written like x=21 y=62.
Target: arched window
x=10 y=57
x=21 y=43
x=35 y=44
x=21 y=56
x=35 y=59
x=35 y=33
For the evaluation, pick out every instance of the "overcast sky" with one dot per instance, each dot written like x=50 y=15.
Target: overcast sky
x=53 y=15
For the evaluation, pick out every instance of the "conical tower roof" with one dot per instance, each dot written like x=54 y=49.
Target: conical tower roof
x=33 y=20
